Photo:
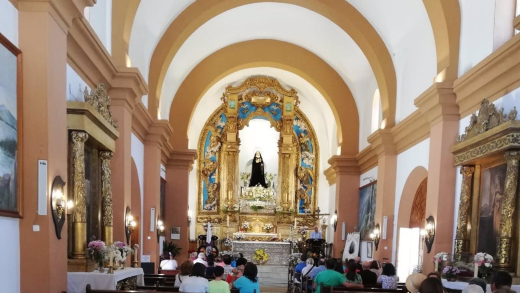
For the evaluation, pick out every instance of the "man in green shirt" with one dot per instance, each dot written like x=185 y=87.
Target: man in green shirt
x=218 y=285
x=330 y=277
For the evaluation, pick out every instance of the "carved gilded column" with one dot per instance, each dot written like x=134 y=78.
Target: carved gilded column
x=231 y=148
x=106 y=192
x=79 y=213
x=461 y=238
x=508 y=210
x=287 y=168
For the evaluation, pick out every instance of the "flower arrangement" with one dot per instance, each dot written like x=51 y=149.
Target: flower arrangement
x=239 y=236
x=303 y=230
x=261 y=256
x=124 y=249
x=450 y=272
x=440 y=257
x=244 y=177
x=269 y=178
x=294 y=259
x=484 y=262
x=268 y=227
x=98 y=251
x=258 y=193
x=228 y=242
x=245 y=225
x=258 y=205
x=279 y=209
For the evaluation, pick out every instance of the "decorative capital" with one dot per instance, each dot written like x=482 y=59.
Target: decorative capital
x=79 y=136
x=182 y=159
x=438 y=103
x=467 y=171
x=512 y=155
x=382 y=142
x=344 y=165
x=106 y=155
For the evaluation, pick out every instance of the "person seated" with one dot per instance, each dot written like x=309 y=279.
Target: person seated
x=186 y=267
x=193 y=255
x=248 y=283
x=388 y=278
x=234 y=262
x=352 y=276
x=340 y=268
x=316 y=234
x=434 y=275
x=351 y=262
x=238 y=271
x=168 y=264
x=375 y=267
x=211 y=266
x=227 y=265
x=321 y=267
x=429 y=285
x=195 y=283
x=218 y=285
x=331 y=278
x=201 y=259
x=368 y=277
x=308 y=267
x=473 y=289
x=299 y=267
x=479 y=282
x=501 y=280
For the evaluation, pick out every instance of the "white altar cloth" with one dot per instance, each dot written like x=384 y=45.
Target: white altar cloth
x=462 y=285
x=248 y=234
x=77 y=281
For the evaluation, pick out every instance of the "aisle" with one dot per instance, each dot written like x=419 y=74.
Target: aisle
x=272 y=276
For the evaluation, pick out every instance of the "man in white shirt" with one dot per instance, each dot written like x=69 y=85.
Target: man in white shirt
x=315 y=234
x=201 y=259
x=169 y=264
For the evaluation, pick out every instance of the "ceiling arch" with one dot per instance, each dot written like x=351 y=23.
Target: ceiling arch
x=267 y=53
x=339 y=12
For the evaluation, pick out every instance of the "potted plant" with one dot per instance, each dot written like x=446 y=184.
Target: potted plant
x=170 y=247
x=450 y=273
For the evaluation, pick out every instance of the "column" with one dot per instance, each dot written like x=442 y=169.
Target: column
x=106 y=193
x=43 y=42
x=508 y=211
x=229 y=181
x=79 y=214
x=461 y=238
x=383 y=144
x=347 y=197
x=439 y=106
x=177 y=190
x=288 y=166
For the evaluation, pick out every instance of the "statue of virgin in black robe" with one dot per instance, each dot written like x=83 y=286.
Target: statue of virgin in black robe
x=257 y=171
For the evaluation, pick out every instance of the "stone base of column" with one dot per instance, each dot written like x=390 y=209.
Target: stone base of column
x=79 y=240
x=504 y=253
x=460 y=247
x=108 y=235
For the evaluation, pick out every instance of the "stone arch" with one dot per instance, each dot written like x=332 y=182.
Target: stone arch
x=418 y=210
x=414 y=181
x=267 y=53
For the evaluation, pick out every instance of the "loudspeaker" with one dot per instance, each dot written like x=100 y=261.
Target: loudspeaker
x=385 y=223
x=343 y=230
x=148 y=268
x=152 y=219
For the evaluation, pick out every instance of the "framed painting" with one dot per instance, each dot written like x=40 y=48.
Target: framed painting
x=367 y=209
x=490 y=206
x=10 y=129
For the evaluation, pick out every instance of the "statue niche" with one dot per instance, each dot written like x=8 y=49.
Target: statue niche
x=257 y=171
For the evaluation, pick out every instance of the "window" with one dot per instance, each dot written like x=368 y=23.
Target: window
x=376 y=111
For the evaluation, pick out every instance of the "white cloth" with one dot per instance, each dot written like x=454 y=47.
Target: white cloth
x=306 y=269
x=194 y=285
x=168 y=264
x=316 y=235
x=200 y=260
x=77 y=281
x=462 y=285
x=179 y=279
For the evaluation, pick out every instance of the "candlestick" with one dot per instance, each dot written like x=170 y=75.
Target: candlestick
x=111 y=256
x=294 y=223
x=135 y=254
x=228 y=221
x=436 y=266
x=475 y=273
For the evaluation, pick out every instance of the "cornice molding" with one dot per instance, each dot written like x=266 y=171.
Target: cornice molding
x=409 y=132
x=63 y=12
x=182 y=159
x=159 y=133
x=141 y=121
x=344 y=165
x=382 y=142
x=438 y=103
x=496 y=75
x=330 y=174
x=367 y=159
x=166 y=152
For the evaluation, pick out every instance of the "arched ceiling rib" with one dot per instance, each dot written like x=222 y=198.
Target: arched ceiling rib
x=267 y=53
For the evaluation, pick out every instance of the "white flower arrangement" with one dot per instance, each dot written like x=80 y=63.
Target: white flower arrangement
x=303 y=230
x=268 y=226
x=239 y=236
x=258 y=193
x=245 y=224
x=440 y=257
x=228 y=242
x=483 y=258
x=245 y=176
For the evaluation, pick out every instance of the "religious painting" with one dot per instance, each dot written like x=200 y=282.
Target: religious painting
x=175 y=233
x=10 y=129
x=491 y=196
x=367 y=209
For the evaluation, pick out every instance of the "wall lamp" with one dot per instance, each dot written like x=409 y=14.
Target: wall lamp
x=334 y=220
x=429 y=233
x=160 y=229
x=129 y=224
x=58 y=204
x=376 y=235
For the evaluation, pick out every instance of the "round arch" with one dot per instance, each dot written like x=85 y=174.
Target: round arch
x=267 y=53
x=340 y=12
x=413 y=182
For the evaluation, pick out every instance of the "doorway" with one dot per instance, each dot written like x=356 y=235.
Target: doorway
x=409 y=254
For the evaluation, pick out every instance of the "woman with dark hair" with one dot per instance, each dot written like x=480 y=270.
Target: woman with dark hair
x=388 y=278
x=374 y=267
x=431 y=285
x=186 y=267
x=196 y=283
x=248 y=283
x=352 y=276
x=339 y=266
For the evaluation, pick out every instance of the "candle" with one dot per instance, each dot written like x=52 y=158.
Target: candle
x=135 y=254
x=294 y=223
x=475 y=273
x=228 y=221
x=436 y=265
x=111 y=256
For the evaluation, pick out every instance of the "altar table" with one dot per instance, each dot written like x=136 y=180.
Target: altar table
x=77 y=281
x=462 y=285
x=278 y=252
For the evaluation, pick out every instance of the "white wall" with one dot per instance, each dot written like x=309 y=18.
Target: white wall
x=100 y=18
x=408 y=160
x=364 y=179
x=75 y=86
x=137 y=152
x=9 y=227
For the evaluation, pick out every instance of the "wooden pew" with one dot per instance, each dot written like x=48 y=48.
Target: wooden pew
x=328 y=289
x=89 y=290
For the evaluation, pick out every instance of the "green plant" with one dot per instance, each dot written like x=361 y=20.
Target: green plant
x=170 y=247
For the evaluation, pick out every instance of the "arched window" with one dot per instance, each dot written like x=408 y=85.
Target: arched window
x=376 y=111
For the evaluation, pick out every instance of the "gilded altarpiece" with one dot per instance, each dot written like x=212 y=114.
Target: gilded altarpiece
x=219 y=150
x=488 y=155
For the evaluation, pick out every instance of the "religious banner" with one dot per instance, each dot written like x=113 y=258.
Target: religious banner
x=351 y=250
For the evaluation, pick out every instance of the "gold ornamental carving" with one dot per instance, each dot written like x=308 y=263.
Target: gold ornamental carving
x=488 y=118
x=507 y=141
x=106 y=182
x=79 y=213
x=100 y=100
x=260 y=84
x=464 y=210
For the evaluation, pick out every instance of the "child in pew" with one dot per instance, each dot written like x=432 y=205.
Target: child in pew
x=218 y=285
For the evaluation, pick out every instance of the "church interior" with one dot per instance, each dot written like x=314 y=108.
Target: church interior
x=374 y=130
